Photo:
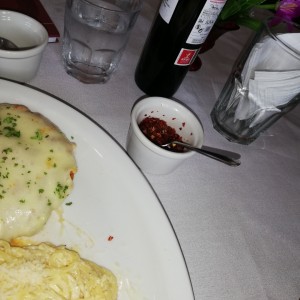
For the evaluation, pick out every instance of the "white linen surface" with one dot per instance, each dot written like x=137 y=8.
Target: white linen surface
x=239 y=228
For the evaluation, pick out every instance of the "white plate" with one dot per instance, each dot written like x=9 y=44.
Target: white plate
x=110 y=198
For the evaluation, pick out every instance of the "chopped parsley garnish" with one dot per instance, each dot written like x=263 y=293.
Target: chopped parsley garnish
x=11 y=132
x=10 y=120
x=7 y=150
x=38 y=135
x=60 y=190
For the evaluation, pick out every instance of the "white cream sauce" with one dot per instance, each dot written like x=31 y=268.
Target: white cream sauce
x=36 y=169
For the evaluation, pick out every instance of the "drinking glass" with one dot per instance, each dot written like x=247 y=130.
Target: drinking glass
x=95 y=35
x=264 y=84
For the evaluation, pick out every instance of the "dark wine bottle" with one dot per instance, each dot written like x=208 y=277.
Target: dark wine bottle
x=179 y=30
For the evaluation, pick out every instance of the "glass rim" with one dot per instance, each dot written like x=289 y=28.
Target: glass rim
x=292 y=50
x=129 y=11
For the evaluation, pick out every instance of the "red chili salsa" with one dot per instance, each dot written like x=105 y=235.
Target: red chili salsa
x=160 y=133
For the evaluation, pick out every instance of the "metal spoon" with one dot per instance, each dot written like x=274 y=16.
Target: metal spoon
x=224 y=156
x=6 y=44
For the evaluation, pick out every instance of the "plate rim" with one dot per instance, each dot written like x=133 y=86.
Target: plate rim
x=6 y=84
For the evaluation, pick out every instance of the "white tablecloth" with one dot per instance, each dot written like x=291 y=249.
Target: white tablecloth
x=239 y=228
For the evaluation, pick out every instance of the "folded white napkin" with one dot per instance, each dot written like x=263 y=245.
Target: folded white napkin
x=270 y=78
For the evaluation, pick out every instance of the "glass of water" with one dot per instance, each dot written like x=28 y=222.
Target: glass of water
x=95 y=35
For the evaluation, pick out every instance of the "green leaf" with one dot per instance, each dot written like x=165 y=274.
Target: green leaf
x=233 y=8
x=250 y=23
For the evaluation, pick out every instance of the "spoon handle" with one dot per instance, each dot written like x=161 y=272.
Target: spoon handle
x=217 y=156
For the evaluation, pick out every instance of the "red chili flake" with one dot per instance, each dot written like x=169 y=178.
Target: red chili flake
x=183 y=124
x=160 y=133
x=180 y=128
x=72 y=175
x=110 y=238
x=173 y=118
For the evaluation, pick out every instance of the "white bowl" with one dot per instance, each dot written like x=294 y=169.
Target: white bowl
x=24 y=31
x=149 y=157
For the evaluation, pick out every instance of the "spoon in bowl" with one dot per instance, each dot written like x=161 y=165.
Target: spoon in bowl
x=224 y=156
x=6 y=44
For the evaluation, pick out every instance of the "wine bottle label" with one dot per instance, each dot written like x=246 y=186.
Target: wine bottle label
x=205 y=21
x=186 y=57
x=166 y=9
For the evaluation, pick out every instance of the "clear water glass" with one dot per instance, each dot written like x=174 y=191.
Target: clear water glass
x=95 y=35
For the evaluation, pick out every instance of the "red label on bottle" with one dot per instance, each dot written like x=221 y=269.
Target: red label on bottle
x=186 y=57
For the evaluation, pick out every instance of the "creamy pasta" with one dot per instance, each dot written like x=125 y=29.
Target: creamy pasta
x=46 y=272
